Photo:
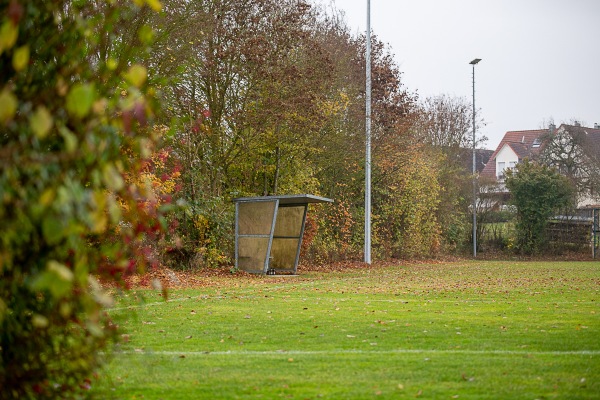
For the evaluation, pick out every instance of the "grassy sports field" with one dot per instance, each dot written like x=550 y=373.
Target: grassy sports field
x=466 y=330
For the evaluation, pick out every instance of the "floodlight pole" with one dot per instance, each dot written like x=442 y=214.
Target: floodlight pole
x=368 y=140
x=473 y=63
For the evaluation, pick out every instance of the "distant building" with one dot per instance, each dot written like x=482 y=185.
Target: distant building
x=572 y=149
x=482 y=157
x=514 y=147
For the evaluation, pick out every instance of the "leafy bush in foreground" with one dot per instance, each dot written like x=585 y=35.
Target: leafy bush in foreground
x=73 y=119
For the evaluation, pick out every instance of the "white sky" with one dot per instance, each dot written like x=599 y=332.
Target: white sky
x=540 y=58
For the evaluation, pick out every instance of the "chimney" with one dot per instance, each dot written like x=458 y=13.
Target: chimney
x=577 y=123
x=596 y=126
x=551 y=128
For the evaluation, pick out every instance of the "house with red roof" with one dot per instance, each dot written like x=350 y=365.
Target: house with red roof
x=562 y=147
x=514 y=147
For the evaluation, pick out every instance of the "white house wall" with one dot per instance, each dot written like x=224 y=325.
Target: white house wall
x=506 y=158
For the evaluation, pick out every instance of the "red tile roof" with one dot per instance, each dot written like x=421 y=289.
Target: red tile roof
x=522 y=144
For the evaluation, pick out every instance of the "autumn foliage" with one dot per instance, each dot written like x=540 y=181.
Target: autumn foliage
x=75 y=118
x=267 y=97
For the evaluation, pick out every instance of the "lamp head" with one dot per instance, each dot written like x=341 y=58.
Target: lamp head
x=475 y=61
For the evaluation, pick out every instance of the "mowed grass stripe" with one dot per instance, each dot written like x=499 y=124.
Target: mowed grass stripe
x=370 y=352
x=304 y=298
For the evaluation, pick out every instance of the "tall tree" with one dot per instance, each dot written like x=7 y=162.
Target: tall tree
x=247 y=79
x=446 y=122
x=576 y=154
x=445 y=127
x=247 y=83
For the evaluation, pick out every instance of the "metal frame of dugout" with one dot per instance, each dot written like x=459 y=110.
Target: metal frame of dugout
x=269 y=230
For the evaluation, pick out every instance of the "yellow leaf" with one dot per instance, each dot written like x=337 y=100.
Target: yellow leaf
x=39 y=321
x=20 y=58
x=8 y=35
x=146 y=34
x=80 y=99
x=70 y=140
x=136 y=75
x=154 y=4
x=99 y=222
x=112 y=64
x=47 y=197
x=8 y=106
x=41 y=122
x=65 y=309
x=99 y=219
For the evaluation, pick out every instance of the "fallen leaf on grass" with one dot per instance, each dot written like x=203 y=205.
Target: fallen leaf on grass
x=188 y=337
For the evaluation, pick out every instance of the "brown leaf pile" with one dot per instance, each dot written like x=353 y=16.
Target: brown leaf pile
x=209 y=277
x=206 y=277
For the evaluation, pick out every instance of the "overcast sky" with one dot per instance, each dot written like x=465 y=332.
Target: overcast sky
x=540 y=58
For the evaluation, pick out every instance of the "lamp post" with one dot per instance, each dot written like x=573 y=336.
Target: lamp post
x=473 y=63
x=368 y=140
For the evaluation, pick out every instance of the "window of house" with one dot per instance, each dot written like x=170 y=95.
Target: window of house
x=500 y=169
x=536 y=143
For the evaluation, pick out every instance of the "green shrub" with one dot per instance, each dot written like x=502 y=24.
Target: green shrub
x=537 y=191
x=204 y=235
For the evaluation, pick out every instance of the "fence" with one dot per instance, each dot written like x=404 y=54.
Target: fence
x=580 y=228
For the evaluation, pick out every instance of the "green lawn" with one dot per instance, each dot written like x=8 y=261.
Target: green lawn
x=470 y=330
